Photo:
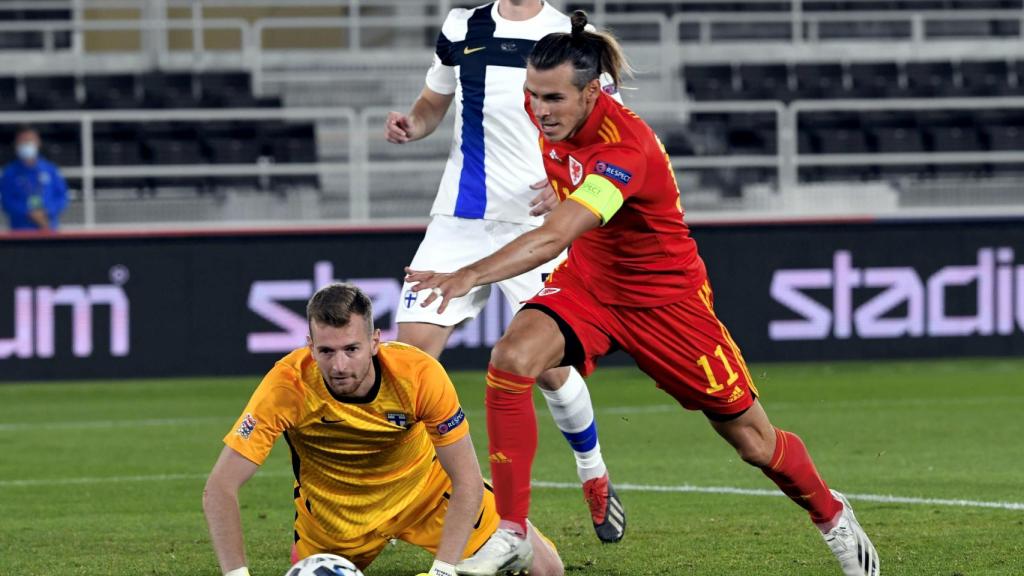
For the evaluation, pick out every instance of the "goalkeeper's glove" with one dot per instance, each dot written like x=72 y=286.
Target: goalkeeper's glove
x=440 y=569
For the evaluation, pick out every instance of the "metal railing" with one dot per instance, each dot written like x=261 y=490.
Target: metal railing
x=362 y=171
x=89 y=172
x=198 y=28
x=804 y=27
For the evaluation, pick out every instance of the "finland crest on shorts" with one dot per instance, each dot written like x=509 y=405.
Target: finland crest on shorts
x=451 y=243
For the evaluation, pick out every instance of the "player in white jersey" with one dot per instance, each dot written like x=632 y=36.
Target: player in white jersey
x=494 y=189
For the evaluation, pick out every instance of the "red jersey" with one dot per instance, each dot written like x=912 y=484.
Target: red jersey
x=642 y=255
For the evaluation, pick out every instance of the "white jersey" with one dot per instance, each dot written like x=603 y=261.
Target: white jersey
x=481 y=58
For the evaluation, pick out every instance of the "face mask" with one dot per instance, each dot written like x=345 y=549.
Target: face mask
x=27 y=151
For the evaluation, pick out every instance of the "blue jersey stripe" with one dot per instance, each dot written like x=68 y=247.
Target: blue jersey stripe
x=472 y=198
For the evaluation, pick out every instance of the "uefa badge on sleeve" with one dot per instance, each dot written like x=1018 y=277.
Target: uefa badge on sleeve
x=447 y=426
x=246 y=427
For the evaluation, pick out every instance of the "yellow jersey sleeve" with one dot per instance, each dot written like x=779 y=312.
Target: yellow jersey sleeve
x=437 y=405
x=273 y=408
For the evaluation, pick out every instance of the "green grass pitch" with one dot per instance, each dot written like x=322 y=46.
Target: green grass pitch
x=105 y=478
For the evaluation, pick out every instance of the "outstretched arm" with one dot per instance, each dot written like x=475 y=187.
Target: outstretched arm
x=563 y=225
x=220 y=504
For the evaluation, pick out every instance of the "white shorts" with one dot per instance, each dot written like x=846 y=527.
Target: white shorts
x=451 y=243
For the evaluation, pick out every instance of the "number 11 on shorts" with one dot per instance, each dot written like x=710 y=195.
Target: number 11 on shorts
x=704 y=363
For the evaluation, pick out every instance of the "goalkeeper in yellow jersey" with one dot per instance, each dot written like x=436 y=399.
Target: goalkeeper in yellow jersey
x=380 y=450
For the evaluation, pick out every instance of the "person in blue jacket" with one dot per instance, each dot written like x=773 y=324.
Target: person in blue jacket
x=32 y=190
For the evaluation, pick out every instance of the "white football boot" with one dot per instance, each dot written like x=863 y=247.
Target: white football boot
x=503 y=553
x=851 y=546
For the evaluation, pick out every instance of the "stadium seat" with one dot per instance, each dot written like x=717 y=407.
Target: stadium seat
x=896 y=29
x=707 y=133
x=116 y=144
x=1004 y=138
x=1006 y=28
x=710 y=82
x=291 y=143
x=805 y=143
x=985 y=77
x=678 y=143
x=117 y=153
x=954 y=139
x=888 y=119
x=753 y=133
x=64 y=151
x=51 y=92
x=9 y=94
x=172 y=143
x=233 y=143
x=841 y=141
x=765 y=82
x=164 y=151
x=169 y=90
x=875 y=79
x=1017 y=75
x=110 y=91
x=889 y=139
x=961 y=28
x=828 y=119
x=748 y=31
x=820 y=80
x=930 y=79
x=895 y=140
x=226 y=89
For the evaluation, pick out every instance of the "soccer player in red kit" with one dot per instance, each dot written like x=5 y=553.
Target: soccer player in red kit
x=633 y=280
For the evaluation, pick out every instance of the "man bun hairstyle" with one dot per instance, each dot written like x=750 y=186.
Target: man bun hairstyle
x=590 y=52
x=334 y=304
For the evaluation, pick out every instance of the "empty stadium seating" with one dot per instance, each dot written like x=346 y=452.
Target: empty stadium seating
x=868 y=132
x=163 y=143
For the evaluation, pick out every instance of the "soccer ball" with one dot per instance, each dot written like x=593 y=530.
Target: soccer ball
x=323 y=565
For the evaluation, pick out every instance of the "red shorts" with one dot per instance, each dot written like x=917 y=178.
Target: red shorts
x=683 y=346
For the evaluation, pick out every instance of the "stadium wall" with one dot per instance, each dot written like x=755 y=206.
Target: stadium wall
x=123 y=305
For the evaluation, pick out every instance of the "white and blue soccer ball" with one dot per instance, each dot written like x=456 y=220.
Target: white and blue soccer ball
x=323 y=565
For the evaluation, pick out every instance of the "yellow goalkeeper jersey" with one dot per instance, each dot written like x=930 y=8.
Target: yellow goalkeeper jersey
x=357 y=463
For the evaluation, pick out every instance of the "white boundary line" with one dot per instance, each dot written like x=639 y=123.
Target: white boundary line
x=616 y=410
x=626 y=487
x=688 y=488
x=100 y=424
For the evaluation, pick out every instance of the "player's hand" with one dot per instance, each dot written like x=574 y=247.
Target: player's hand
x=398 y=128
x=545 y=201
x=447 y=287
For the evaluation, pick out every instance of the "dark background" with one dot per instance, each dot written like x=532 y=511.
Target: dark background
x=188 y=294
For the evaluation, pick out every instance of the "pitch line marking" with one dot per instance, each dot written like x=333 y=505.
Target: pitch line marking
x=626 y=487
x=227 y=420
x=99 y=424
x=881 y=498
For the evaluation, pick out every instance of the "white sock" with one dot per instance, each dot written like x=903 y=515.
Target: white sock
x=574 y=415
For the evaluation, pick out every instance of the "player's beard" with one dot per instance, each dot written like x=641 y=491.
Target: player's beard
x=348 y=383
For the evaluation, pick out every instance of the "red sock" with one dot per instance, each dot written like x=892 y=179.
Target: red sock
x=793 y=471
x=512 y=429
